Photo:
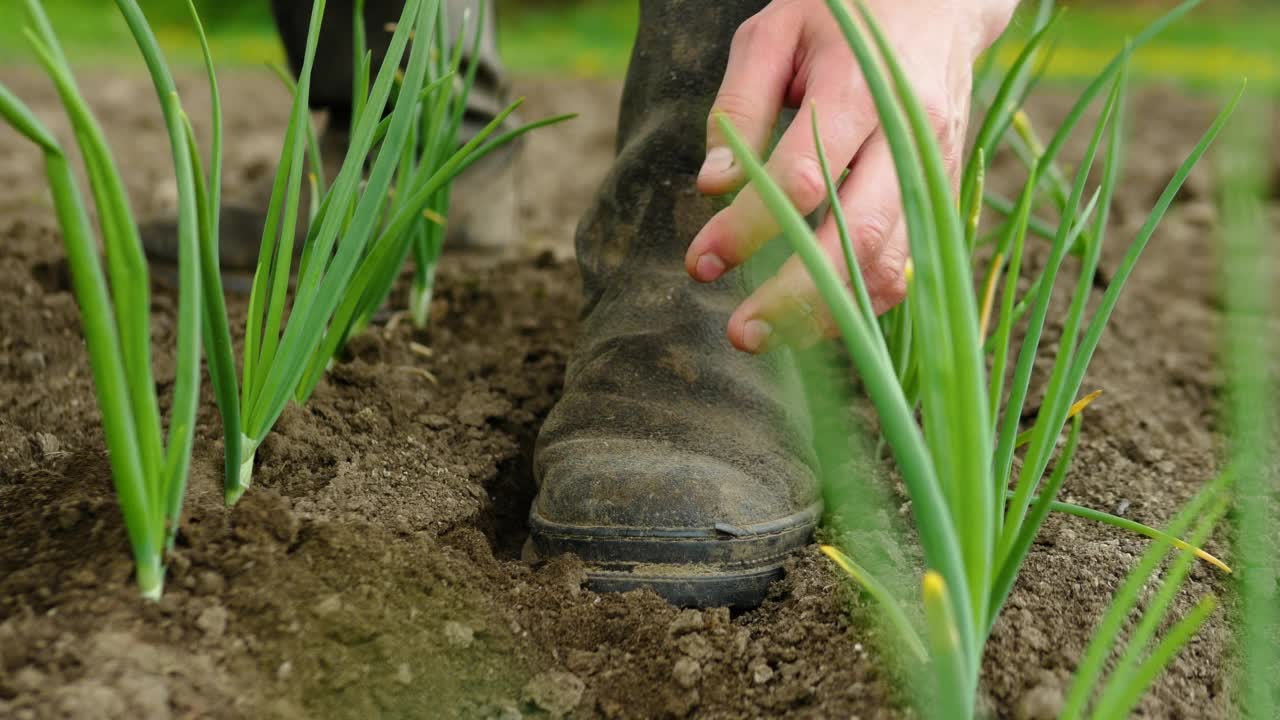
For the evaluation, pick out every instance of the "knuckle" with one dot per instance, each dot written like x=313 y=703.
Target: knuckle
x=939 y=115
x=791 y=296
x=736 y=108
x=948 y=127
x=751 y=34
x=825 y=324
x=871 y=234
x=894 y=291
x=952 y=156
x=888 y=281
x=805 y=183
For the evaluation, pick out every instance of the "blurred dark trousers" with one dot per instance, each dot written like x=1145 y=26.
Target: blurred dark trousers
x=334 y=69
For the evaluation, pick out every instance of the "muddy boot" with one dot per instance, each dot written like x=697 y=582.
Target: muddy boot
x=672 y=461
x=483 y=203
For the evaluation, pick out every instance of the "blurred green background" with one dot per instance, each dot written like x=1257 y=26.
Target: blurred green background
x=1222 y=42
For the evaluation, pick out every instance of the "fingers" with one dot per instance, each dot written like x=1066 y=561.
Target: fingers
x=872 y=203
x=755 y=83
x=948 y=118
x=737 y=232
x=787 y=308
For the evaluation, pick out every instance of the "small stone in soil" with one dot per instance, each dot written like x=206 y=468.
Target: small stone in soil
x=761 y=673
x=682 y=705
x=213 y=621
x=583 y=662
x=686 y=622
x=404 y=675
x=508 y=711
x=168 y=605
x=146 y=697
x=210 y=583
x=34 y=360
x=459 y=635
x=84 y=577
x=718 y=617
x=49 y=445
x=564 y=573
x=434 y=422
x=10 y=654
x=89 y=698
x=555 y=691
x=29 y=679
x=1043 y=702
x=179 y=564
x=695 y=646
x=687 y=672
x=328 y=606
x=69 y=515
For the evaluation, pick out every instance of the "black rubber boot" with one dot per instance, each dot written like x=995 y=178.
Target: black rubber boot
x=332 y=80
x=672 y=461
x=483 y=201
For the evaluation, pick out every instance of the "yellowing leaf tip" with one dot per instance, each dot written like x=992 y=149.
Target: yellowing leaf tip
x=1022 y=121
x=1212 y=561
x=935 y=588
x=1083 y=403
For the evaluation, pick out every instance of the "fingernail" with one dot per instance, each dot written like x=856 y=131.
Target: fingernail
x=755 y=335
x=708 y=268
x=719 y=161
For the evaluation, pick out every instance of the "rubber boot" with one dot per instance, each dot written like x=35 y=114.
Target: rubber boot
x=672 y=461
x=483 y=203
x=334 y=69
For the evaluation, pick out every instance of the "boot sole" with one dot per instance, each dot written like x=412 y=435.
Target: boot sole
x=723 y=566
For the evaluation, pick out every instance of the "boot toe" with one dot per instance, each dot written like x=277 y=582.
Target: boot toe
x=699 y=530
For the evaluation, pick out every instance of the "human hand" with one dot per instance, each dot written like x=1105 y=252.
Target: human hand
x=793 y=54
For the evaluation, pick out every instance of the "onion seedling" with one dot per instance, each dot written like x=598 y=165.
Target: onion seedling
x=416 y=224
x=276 y=354
x=1141 y=658
x=957 y=461
x=414 y=218
x=360 y=228
x=1247 y=351
x=441 y=134
x=149 y=468
x=1249 y=354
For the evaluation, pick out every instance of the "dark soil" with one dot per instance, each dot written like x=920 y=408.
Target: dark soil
x=374 y=570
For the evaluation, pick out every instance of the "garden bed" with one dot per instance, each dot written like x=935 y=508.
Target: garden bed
x=374 y=570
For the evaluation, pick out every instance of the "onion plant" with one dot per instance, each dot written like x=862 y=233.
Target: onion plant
x=276 y=354
x=976 y=517
x=442 y=124
x=1251 y=415
x=1139 y=658
x=149 y=466
x=1249 y=349
x=415 y=222
x=401 y=159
